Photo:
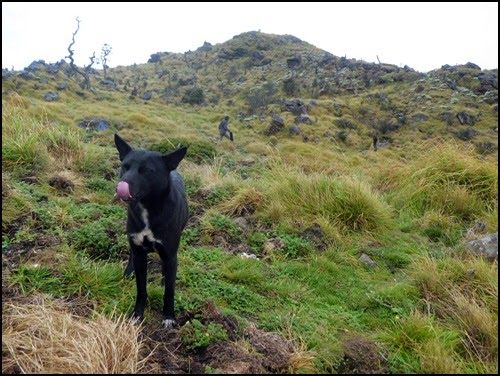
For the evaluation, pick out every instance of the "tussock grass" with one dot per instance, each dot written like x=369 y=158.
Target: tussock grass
x=346 y=203
x=447 y=178
x=43 y=337
x=464 y=293
x=30 y=144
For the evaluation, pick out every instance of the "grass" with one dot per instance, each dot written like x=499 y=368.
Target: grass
x=430 y=306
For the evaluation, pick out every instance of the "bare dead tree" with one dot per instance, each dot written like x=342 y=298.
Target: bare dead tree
x=105 y=51
x=74 y=68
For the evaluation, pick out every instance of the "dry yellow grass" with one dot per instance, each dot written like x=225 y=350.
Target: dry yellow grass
x=43 y=337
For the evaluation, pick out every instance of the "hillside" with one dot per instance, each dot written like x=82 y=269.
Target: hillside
x=306 y=249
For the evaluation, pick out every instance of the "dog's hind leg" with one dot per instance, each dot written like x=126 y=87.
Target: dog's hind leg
x=130 y=267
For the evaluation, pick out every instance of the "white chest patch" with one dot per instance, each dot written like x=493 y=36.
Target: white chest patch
x=138 y=237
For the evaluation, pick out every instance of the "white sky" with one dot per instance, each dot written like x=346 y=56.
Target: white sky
x=423 y=36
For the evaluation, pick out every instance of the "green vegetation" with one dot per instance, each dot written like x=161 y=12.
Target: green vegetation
x=307 y=206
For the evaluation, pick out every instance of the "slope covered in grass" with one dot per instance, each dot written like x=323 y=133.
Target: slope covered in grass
x=308 y=209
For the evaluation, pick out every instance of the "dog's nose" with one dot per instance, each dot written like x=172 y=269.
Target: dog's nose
x=123 y=190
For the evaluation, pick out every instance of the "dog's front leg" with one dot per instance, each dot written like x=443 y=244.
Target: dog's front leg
x=169 y=270
x=140 y=260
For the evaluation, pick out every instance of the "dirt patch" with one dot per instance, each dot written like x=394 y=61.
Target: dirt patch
x=315 y=236
x=62 y=184
x=246 y=351
x=362 y=356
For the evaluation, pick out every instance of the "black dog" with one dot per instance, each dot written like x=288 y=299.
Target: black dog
x=157 y=214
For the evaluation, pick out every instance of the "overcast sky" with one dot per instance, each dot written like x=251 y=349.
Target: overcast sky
x=423 y=36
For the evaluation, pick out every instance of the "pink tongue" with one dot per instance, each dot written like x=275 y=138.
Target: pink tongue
x=123 y=191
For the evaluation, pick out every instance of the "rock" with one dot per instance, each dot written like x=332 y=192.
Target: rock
x=248 y=255
x=464 y=118
x=491 y=97
x=61 y=86
x=6 y=74
x=51 y=96
x=472 y=66
x=448 y=118
x=94 y=124
x=419 y=88
x=293 y=62
x=147 y=96
x=277 y=124
x=486 y=246
x=154 y=58
x=27 y=75
x=242 y=223
x=277 y=121
x=303 y=119
x=417 y=118
x=35 y=65
x=478 y=228
x=367 y=261
x=109 y=83
x=466 y=134
x=488 y=81
x=294 y=130
x=206 y=47
x=55 y=67
x=295 y=106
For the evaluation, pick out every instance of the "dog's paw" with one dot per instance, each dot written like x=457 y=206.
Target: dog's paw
x=168 y=323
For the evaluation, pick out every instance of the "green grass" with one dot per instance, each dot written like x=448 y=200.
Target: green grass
x=429 y=305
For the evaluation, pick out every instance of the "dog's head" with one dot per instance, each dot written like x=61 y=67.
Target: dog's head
x=144 y=172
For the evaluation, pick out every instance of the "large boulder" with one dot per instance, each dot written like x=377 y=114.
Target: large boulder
x=206 y=47
x=154 y=58
x=487 y=246
x=277 y=124
x=303 y=119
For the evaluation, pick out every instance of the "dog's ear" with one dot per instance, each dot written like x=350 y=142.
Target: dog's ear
x=122 y=146
x=173 y=159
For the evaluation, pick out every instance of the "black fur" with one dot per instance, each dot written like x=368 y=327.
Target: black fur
x=157 y=190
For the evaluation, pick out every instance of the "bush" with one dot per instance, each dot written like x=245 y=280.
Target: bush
x=194 y=95
x=290 y=87
x=198 y=151
x=345 y=124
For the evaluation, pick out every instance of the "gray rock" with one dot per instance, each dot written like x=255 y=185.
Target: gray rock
x=154 y=58
x=6 y=74
x=51 y=96
x=295 y=106
x=464 y=118
x=61 y=86
x=303 y=119
x=487 y=246
x=277 y=121
x=206 y=47
x=294 y=130
x=35 y=65
x=147 y=96
x=94 y=124
x=109 y=83
x=491 y=97
x=242 y=223
x=294 y=62
x=367 y=261
x=417 y=118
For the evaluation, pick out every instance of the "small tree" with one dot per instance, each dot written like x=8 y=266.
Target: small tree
x=105 y=51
